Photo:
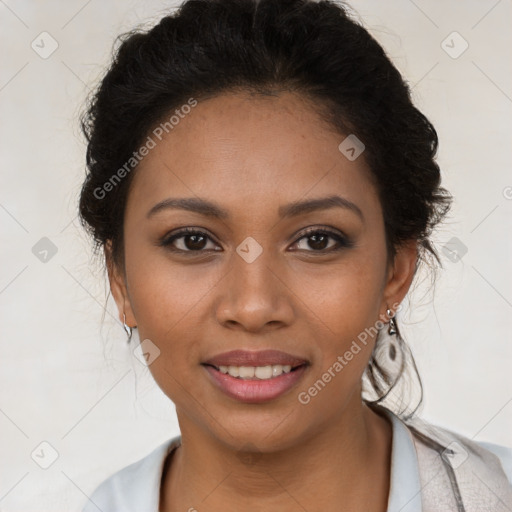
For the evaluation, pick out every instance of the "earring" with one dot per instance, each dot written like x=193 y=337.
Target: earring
x=127 y=328
x=392 y=331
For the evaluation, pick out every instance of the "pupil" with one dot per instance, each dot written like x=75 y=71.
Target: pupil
x=316 y=244
x=195 y=238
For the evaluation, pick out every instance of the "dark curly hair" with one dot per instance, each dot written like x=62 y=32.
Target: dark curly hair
x=313 y=48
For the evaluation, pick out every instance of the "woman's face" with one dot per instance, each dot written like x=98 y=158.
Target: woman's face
x=266 y=275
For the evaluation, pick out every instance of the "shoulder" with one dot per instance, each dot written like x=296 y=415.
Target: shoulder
x=460 y=448
x=135 y=487
x=453 y=469
x=504 y=454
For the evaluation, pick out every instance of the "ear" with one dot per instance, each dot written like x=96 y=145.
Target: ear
x=400 y=275
x=118 y=287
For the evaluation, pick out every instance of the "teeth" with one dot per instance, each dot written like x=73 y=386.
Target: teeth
x=263 y=372
x=246 y=372
x=233 y=370
x=260 y=372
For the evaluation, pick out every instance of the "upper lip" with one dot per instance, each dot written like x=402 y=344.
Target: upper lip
x=252 y=358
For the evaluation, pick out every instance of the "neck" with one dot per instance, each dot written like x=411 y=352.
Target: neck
x=346 y=464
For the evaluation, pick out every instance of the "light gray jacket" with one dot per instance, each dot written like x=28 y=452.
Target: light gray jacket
x=458 y=474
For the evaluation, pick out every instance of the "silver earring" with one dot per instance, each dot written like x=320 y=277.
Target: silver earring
x=127 y=328
x=392 y=331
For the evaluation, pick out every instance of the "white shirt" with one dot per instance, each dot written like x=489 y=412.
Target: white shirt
x=136 y=488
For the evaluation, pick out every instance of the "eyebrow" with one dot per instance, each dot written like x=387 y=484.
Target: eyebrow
x=210 y=209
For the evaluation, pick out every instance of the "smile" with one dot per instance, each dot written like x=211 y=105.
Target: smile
x=255 y=384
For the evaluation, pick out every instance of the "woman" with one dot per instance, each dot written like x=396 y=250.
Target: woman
x=264 y=192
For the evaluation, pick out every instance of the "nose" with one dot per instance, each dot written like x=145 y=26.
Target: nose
x=255 y=296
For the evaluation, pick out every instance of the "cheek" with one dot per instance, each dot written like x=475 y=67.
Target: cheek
x=168 y=300
x=350 y=310
x=165 y=291
x=345 y=297
x=346 y=305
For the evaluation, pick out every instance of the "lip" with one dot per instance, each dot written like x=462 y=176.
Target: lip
x=255 y=391
x=255 y=358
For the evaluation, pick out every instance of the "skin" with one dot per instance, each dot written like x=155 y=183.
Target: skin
x=252 y=155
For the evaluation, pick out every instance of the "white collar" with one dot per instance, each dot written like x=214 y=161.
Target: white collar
x=137 y=487
x=405 y=485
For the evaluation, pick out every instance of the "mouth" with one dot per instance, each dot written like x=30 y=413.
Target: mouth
x=255 y=377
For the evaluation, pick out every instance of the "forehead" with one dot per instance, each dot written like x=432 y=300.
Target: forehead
x=239 y=149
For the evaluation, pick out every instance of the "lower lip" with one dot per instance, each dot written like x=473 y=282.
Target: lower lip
x=255 y=391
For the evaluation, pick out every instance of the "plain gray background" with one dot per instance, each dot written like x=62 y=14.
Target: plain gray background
x=69 y=380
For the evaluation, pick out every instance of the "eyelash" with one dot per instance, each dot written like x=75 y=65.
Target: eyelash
x=343 y=241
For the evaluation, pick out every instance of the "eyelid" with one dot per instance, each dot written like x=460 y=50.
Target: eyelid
x=323 y=228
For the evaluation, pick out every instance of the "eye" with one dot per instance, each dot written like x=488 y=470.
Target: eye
x=188 y=240
x=193 y=240
x=319 y=241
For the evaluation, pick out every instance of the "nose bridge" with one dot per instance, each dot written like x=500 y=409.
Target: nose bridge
x=254 y=294
x=252 y=269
